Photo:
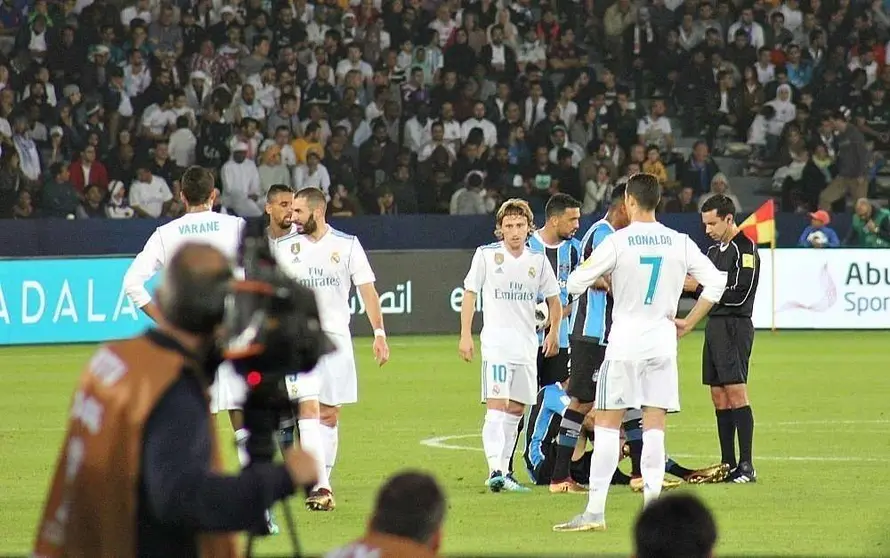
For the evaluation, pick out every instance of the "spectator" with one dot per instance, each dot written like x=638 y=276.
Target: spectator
x=92 y=207
x=241 y=190
x=853 y=162
x=683 y=203
x=871 y=226
x=720 y=186
x=699 y=170
x=150 y=195
x=87 y=170
x=342 y=204
x=60 y=199
x=312 y=175
x=183 y=143
x=818 y=234
x=272 y=170
x=24 y=206
x=118 y=206
x=597 y=190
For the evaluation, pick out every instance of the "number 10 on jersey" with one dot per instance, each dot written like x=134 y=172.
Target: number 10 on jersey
x=655 y=262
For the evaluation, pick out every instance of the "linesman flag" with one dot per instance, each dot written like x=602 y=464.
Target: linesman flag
x=760 y=226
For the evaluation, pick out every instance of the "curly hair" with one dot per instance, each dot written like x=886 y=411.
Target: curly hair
x=514 y=207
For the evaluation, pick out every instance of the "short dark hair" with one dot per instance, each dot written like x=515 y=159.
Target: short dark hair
x=618 y=193
x=675 y=526
x=645 y=189
x=197 y=185
x=313 y=196
x=410 y=505
x=278 y=189
x=722 y=204
x=559 y=203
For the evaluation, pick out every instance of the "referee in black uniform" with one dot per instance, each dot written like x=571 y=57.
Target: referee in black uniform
x=729 y=335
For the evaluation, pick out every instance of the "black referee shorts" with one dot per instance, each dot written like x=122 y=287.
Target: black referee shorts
x=728 y=342
x=587 y=357
x=553 y=369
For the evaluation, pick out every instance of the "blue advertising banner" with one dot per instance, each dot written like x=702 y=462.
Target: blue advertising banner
x=66 y=301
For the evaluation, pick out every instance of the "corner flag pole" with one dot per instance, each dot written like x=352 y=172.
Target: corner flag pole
x=772 y=257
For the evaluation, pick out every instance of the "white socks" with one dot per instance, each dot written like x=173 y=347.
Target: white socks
x=652 y=464
x=602 y=467
x=493 y=439
x=241 y=436
x=330 y=439
x=310 y=441
x=511 y=432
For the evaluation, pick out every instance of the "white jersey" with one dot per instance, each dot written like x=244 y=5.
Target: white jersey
x=648 y=263
x=509 y=287
x=329 y=266
x=223 y=232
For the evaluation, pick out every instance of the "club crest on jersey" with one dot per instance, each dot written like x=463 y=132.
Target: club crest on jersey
x=335 y=257
x=531 y=272
x=295 y=248
x=498 y=258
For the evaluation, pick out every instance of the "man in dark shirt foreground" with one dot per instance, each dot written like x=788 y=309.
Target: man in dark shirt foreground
x=140 y=472
x=729 y=335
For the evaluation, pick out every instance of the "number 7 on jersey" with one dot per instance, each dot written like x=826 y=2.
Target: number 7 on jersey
x=655 y=262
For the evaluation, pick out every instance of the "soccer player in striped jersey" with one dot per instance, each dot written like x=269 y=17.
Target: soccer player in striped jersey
x=589 y=329
x=557 y=240
x=540 y=447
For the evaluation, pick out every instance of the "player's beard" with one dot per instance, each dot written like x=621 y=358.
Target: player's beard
x=309 y=227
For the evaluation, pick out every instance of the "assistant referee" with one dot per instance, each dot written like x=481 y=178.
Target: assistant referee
x=729 y=335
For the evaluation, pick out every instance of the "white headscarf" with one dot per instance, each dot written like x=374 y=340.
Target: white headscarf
x=785 y=110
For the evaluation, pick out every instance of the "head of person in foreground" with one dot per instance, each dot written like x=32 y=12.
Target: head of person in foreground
x=675 y=526
x=410 y=506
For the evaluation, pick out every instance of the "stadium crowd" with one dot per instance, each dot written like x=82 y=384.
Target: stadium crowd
x=395 y=106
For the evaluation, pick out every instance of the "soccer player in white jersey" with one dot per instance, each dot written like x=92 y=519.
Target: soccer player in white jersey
x=330 y=262
x=648 y=263
x=302 y=388
x=509 y=275
x=199 y=224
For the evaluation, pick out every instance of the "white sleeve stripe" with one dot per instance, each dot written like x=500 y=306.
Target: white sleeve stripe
x=738 y=273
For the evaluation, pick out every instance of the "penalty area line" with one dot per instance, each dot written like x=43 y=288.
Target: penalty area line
x=443 y=442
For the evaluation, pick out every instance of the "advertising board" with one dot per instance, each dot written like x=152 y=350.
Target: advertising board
x=82 y=300
x=824 y=289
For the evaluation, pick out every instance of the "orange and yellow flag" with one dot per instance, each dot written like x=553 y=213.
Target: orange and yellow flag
x=760 y=226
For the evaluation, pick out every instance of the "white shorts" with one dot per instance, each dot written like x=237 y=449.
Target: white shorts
x=228 y=391
x=632 y=384
x=338 y=384
x=302 y=387
x=502 y=380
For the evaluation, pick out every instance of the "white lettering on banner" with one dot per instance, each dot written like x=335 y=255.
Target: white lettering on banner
x=396 y=301
x=92 y=315
x=67 y=300
x=4 y=311
x=824 y=289
x=34 y=303
x=457 y=299
x=124 y=307
x=27 y=287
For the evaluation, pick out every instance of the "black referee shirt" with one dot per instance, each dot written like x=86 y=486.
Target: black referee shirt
x=741 y=262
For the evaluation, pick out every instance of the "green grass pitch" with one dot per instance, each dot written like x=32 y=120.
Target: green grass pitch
x=821 y=450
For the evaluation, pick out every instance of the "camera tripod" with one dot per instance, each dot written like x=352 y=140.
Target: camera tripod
x=266 y=411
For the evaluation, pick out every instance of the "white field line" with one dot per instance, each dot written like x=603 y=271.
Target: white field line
x=442 y=442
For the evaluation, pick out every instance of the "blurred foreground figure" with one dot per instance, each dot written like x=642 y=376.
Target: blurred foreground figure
x=406 y=522
x=675 y=526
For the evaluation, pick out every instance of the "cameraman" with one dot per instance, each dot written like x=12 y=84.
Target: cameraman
x=140 y=472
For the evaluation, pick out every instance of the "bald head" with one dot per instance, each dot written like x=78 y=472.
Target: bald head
x=192 y=292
